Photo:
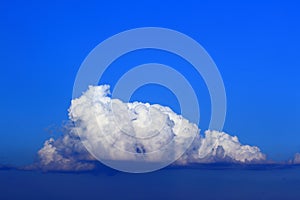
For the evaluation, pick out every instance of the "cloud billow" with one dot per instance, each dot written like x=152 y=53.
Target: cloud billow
x=113 y=130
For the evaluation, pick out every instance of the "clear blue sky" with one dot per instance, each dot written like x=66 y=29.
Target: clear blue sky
x=255 y=45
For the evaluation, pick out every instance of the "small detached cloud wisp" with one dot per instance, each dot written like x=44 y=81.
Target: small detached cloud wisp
x=67 y=153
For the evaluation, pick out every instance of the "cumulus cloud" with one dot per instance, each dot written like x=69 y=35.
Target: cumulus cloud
x=64 y=154
x=296 y=159
x=113 y=130
x=220 y=147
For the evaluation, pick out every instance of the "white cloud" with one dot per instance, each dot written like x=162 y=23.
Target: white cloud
x=107 y=125
x=65 y=154
x=220 y=147
x=296 y=159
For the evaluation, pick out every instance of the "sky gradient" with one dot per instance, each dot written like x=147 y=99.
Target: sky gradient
x=255 y=46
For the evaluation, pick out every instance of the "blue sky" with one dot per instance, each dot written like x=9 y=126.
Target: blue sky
x=254 y=44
